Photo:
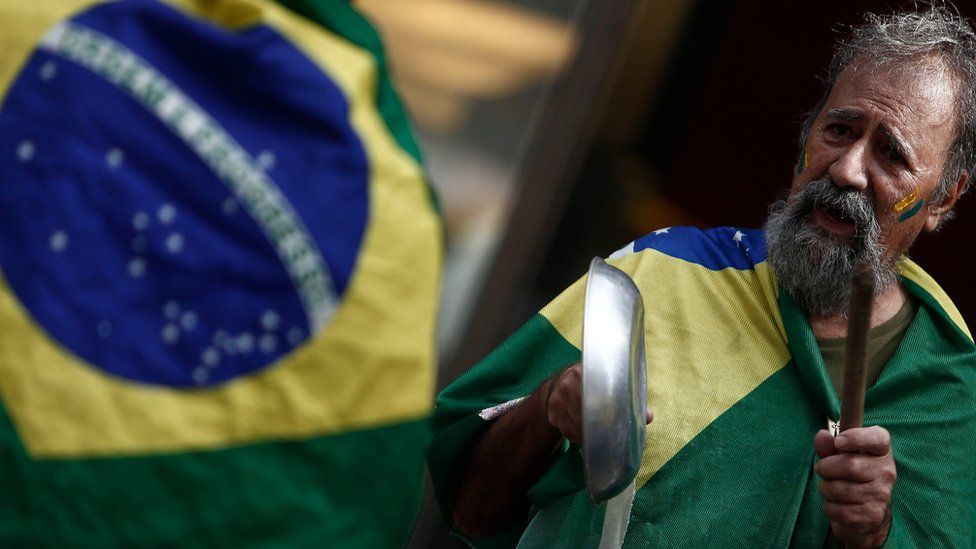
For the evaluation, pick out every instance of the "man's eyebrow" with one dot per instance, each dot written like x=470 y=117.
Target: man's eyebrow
x=845 y=115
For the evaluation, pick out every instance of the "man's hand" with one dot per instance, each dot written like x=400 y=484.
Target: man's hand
x=564 y=405
x=858 y=473
x=564 y=408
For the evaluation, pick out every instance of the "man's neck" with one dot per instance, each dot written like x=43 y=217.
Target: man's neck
x=885 y=306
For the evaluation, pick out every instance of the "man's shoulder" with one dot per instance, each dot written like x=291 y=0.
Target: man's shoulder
x=715 y=249
x=921 y=285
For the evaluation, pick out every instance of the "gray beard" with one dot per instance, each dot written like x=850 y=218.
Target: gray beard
x=813 y=266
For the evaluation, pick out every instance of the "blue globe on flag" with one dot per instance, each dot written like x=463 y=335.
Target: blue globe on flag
x=163 y=216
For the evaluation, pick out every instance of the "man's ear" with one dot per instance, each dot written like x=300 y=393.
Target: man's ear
x=938 y=212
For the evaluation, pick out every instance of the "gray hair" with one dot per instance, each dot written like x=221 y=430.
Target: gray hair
x=937 y=30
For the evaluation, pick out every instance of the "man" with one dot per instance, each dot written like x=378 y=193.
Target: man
x=742 y=330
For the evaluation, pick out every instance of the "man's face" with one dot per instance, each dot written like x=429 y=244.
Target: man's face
x=884 y=134
x=881 y=138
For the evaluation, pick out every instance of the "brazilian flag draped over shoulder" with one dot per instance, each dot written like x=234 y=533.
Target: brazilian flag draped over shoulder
x=739 y=389
x=220 y=261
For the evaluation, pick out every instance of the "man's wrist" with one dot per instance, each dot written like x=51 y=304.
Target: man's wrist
x=879 y=536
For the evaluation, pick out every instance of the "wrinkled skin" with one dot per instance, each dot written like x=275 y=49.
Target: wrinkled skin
x=858 y=476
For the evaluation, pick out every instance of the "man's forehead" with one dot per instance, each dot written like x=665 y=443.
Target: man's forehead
x=912 y=102
x=921 y=91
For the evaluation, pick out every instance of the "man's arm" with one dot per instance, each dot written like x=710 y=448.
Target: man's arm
x=513 y=452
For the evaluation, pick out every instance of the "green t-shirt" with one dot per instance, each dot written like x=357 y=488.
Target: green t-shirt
x=883 y=341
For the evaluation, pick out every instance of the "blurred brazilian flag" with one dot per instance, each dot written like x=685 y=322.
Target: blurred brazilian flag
x=220 y=261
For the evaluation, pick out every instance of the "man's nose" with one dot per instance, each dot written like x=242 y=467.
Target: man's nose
x=850 y=169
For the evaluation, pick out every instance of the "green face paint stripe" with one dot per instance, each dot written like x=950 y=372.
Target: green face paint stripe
x=911 y=213
x=804 y=161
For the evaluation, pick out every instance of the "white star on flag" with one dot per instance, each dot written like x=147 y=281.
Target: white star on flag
x=48 y=70
x=170 y=333
x=166 y=213
x=269 y=320
x=210 y=357
x=662 y=231
x=245 y=342
x=188 y=320
x=59 y=241
x=140 y=221
x=266 y=160
x=137 y=267
x=200 y=375
x=737 y=237
x=114 y=158
x=174 y=243
x=25 y=151
x=268 y=343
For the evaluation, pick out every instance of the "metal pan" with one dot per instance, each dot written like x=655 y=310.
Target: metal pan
x=614 y=381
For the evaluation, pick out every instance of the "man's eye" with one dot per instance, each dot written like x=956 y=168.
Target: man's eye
x=838 y=130
x=893 y=156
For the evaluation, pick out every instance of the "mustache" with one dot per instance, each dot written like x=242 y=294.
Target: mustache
x=842 y=203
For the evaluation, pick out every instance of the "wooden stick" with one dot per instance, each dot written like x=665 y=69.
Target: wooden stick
x=855 y=359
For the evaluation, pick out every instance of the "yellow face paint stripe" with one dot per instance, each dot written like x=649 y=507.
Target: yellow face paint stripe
x=904 y=203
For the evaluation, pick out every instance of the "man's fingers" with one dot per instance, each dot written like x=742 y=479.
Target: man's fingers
x=571 y=431
x=574 y=414
x=823 y=444
x=857 y=468
x=847 y=519
x=870 y=440
x=564 y=408
x=561 y=418
x=563 y=405
x=841 y=491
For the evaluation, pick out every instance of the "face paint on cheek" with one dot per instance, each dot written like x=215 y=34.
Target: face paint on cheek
x=911 y=213
x=907 y=207
x=804 y=162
